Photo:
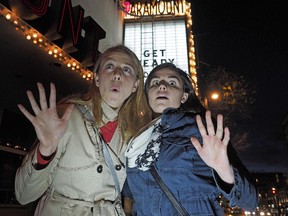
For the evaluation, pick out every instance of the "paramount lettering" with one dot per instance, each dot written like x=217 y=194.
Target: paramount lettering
x=154 y=8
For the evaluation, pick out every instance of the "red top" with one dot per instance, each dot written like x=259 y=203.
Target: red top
x=108 y=130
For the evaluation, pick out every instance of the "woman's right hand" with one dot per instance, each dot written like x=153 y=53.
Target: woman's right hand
x=47 y=124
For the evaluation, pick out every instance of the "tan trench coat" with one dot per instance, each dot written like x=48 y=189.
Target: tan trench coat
x=77 y=181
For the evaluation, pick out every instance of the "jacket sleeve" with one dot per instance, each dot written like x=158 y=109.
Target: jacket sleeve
x=243 y=193
x=30 y=183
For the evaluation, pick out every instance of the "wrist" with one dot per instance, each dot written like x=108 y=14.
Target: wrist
x=46 y=151
x=43 y=159
x=226 y=174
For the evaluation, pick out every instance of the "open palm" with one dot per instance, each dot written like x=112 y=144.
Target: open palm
x=213 y=151
x=47 y=124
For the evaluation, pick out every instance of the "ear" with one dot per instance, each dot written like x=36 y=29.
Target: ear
x=96 y=80
x=136 y=84
x=184 y=97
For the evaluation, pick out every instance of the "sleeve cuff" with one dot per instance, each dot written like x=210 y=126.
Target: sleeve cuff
x=42 y=161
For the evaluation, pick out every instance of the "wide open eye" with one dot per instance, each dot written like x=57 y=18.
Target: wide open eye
x=154 y=82
x=127 y=70
x=172 y=83
x=109 y=66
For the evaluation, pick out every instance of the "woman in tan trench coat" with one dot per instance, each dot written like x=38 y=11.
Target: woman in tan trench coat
x=77 y=165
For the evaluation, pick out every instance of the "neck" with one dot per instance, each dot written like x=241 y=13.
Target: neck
x=156 y=115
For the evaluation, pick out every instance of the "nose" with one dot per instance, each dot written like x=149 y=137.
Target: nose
x=117 y=76
x=163 y=85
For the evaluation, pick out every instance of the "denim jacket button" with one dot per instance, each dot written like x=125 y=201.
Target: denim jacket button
x=166 y=125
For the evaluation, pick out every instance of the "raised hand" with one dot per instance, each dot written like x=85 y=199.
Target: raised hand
x=214 y=149
x=47 y=124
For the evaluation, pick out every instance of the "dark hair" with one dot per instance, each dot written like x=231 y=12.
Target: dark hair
x=193 y=102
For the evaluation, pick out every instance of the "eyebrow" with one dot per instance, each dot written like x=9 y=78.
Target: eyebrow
x=112 y=59
x=172 y=76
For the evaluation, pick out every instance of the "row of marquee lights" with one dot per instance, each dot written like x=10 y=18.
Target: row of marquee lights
x=38 y=39
x=52 y=49
x=158 y=8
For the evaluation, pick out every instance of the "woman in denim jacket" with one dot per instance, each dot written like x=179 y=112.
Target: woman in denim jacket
x=197 y=170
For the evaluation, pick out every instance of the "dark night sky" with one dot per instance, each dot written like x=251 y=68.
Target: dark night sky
x=249 y=37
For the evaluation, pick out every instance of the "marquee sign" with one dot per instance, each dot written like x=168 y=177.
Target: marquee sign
x=156 y=40
x=154 y=8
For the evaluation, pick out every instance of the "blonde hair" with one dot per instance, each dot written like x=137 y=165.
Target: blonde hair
x=135 y=111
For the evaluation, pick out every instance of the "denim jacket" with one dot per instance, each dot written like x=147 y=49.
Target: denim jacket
x=193 y=183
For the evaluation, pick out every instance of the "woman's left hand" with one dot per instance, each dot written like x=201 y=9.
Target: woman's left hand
x=214 y=149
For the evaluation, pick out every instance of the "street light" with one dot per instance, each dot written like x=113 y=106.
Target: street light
x=214 y=96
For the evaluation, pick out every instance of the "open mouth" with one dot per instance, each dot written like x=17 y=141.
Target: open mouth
x=162 y=98
x=114 y=89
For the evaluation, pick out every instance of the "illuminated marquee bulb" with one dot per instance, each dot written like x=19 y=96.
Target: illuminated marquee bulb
x=8 y=16
x=28 y=37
